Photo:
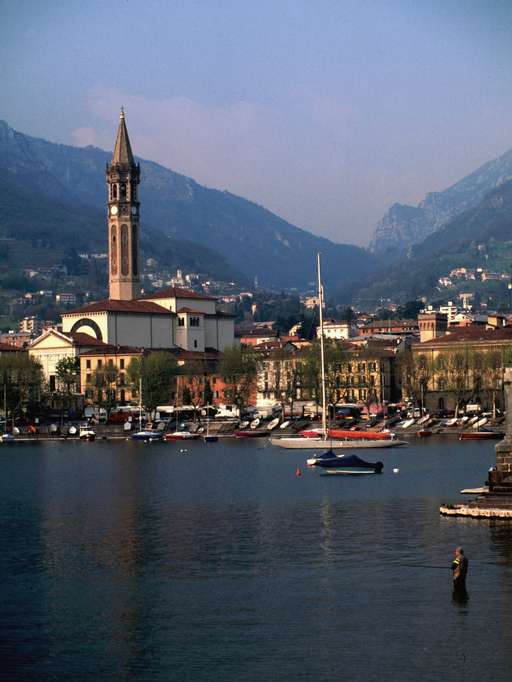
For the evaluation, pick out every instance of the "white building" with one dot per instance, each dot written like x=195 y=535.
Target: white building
x=337 y=330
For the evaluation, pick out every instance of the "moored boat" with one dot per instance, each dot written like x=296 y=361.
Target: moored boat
x=424 y=433
x=272 y=424
x=181 y=435
x=251 y=433
x=480 y=435
x=87 y=434
x=345 y=464
x=300 y=443
x=147 y=436
x=360 y=435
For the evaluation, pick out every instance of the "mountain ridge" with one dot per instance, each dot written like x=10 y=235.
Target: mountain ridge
x=403 y=225
x=250 y=238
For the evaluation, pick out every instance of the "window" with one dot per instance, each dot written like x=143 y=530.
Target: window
x=110 y=362
x=123 y=190
x=194 y=322
x=88 y=379
x=195 y=343
x=181 y=321
x=88 y=364
x=99 y=364
x=121 y=363
x=121 y=379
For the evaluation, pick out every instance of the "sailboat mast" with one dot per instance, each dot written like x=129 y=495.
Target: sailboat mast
x=322 y=354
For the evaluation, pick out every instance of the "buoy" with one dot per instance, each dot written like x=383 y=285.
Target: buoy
x=396 y=471
x=298 y=472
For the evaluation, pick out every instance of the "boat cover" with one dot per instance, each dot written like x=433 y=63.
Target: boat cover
x=330 y=459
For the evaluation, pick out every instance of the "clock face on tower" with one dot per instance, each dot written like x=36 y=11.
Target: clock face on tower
x=113 y=210
x=134 y=210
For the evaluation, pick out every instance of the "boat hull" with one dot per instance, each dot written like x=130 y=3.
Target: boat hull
x=250 y=434
x=181 y=436
x=481 y=435
x=147 y=436
x=313 y=443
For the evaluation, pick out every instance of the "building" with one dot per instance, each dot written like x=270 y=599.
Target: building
x=431 y=325
x=6 y=348
x=407 y=327
x=337 y=330
x=105 y=355
x=171 y=318
x=53 y=346
x=30 y=325
x=464 y=365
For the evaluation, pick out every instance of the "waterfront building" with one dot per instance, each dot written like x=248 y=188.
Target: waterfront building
x=54 y=345
x=463 y=365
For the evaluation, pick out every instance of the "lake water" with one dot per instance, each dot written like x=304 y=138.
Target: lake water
x=129 y=561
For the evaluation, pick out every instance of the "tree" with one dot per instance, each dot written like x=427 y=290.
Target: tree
x=157 y=373
x=104 y=379
x=68 y=370
x=21 y=381
x=187 y=396
x=238 y=369
x=452 y=366
x=417 y=371
x=207 y=394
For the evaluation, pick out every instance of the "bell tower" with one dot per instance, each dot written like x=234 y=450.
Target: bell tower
x=123 y=177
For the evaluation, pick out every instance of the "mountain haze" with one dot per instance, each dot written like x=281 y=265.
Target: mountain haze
x=404 y=225
x=462 y=242
x=237 y=235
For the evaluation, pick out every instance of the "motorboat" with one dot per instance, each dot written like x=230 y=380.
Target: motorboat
x=7 y=438
x=451 y=422
x=301 y=443
x=345 y=464
x=481 y=422
x=255 y=423
x=148 y=436
x=244 y=424
x=181 y=435
x=284 y=425
x=424 y=433
x=86 y=433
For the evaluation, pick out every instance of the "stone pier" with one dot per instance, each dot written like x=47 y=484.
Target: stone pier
x=495 y=500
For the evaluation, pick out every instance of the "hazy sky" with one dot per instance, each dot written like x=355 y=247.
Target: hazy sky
x=324 y=112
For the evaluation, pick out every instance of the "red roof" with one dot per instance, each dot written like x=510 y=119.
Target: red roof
x=114 y=306
x=6 y=347
x=111 y=349
x=178 y=292
x=474 y=334
x=82 y=339
x=190 y=310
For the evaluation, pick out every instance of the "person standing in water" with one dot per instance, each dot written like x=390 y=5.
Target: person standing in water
x=459 y=570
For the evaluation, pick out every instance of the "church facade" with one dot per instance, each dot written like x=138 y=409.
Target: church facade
x=172 y=318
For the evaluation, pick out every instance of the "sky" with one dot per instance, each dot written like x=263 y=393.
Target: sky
x=324 y=111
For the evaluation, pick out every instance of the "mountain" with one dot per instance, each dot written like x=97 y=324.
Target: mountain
x=243 y=236
x=479 y=237
x=404 y=225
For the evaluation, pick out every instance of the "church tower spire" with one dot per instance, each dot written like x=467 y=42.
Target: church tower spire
x=123 y=178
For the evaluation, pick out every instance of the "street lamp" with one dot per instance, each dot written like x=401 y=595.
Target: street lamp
x=509 y=287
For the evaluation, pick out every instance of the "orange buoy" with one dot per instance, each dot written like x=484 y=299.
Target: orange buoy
x=298 y=472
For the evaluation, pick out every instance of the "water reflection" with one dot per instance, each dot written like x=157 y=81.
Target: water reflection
x=124 y=562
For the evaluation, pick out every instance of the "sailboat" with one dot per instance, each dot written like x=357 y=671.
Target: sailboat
x=312 y=443
x=207 y=438
x=146 y=435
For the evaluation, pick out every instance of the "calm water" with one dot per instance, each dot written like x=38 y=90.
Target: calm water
x=126 y=561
